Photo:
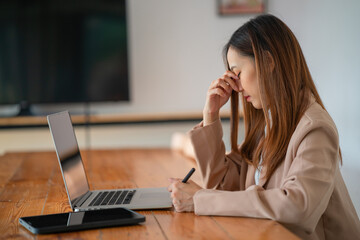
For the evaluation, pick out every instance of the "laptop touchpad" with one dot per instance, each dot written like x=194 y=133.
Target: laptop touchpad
x=162 y=195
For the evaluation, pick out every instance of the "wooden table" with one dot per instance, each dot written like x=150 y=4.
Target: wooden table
x=31 y=184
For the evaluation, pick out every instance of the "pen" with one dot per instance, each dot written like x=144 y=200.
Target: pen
x=188 y=175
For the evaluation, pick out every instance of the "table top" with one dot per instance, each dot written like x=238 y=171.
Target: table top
x=31 y=184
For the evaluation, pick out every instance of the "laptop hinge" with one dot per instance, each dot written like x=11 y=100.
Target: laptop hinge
x=80 y=200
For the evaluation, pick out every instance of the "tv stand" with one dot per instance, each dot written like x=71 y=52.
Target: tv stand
x=109 y=119
x=24 y=109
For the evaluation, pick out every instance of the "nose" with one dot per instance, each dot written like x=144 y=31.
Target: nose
x=240 y=86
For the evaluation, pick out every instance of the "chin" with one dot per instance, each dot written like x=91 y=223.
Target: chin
x=257 y=106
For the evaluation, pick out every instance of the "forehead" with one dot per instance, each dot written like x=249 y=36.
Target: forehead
x=235 y=58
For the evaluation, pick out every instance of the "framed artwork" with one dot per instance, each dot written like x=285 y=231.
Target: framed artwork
x=231 y=7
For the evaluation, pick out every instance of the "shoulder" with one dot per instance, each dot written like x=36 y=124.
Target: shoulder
x=315 y=120
x=316 y=116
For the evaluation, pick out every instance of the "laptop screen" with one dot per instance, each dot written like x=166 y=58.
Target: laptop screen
x=68 y=154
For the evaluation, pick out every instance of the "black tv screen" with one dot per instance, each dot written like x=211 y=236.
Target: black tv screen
x=61 y=51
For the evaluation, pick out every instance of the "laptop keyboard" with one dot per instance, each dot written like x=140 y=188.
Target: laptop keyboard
x=113 y=198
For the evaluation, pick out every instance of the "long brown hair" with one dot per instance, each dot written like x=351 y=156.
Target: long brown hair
x=285 y=87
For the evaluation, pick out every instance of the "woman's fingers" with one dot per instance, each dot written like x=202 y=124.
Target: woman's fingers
x=182 y=195
x=226 y=83
x=232 y=75
x=218 y=94
x=222 y=84
x=232 y=82
x=172 y=181
x=218 y=91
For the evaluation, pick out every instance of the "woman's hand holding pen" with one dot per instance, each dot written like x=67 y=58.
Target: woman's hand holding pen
x=218 y=94
x=182 y=194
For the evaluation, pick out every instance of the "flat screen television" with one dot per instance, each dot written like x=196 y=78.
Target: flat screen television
x=63 y=51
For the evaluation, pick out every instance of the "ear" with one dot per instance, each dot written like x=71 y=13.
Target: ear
x=270 y=60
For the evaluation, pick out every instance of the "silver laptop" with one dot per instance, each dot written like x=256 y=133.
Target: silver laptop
x=77 y=186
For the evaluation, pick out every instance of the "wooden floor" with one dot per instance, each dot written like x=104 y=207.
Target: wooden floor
x=31 y=184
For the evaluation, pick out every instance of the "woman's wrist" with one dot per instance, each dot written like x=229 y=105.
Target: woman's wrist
x=210 y=117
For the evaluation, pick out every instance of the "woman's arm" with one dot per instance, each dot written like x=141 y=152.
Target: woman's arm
x=218 y=170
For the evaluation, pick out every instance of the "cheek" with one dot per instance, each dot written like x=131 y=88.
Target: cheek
x=252 y=82
x=247 y=82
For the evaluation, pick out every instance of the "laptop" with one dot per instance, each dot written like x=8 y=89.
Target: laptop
x=81 y=198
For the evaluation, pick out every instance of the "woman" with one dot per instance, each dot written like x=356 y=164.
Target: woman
x=287 y=168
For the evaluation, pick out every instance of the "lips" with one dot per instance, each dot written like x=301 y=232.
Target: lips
x=247 y=98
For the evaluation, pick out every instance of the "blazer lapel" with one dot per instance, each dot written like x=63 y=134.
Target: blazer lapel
x=250 y=176
x=262 y=180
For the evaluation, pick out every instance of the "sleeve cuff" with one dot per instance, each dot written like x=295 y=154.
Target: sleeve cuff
x=212 y=132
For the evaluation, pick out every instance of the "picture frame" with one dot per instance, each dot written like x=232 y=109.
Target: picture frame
x=233 y=7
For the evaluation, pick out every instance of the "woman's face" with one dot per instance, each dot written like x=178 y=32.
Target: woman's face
x=245 y=68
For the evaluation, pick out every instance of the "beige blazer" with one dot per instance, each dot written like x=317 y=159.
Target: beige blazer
x=306 y=193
